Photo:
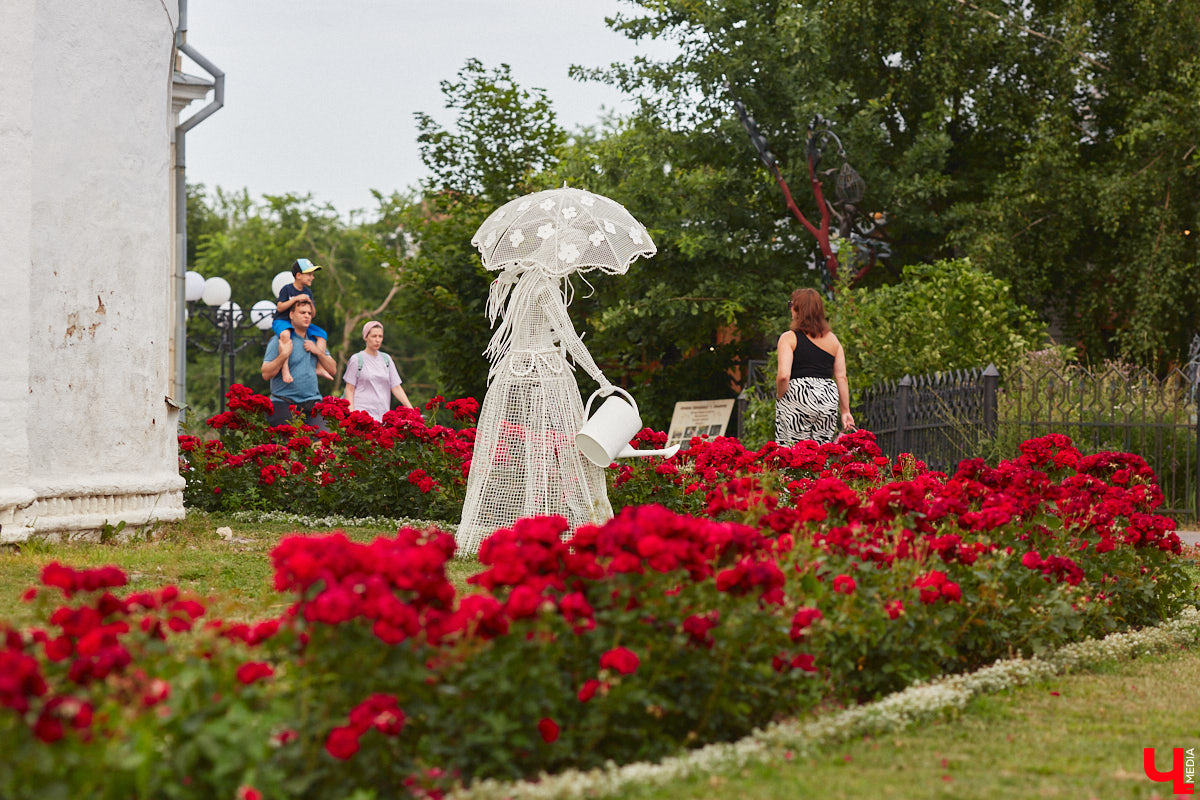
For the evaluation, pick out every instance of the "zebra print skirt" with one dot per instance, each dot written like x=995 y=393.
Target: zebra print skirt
x=808 y=410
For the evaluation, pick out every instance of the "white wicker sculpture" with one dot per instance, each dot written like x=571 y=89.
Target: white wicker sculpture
x=525 y=461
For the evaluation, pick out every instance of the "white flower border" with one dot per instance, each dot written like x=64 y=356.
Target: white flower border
x=920 y=701
x=336 y=520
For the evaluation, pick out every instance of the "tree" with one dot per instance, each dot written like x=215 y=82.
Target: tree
x=1053 y=143
x=202 y=220
x=503 y=134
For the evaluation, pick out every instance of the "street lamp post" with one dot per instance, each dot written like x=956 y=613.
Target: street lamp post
x=232 y=329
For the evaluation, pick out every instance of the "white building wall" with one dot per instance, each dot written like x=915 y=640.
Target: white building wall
x=86 y=434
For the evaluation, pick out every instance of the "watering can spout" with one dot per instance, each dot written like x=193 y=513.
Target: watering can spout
x=630 y=452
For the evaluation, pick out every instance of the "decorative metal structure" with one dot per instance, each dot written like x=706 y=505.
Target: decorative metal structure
x=849 y=189
x=525 y=461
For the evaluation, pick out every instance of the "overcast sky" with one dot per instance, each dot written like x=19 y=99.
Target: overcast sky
x=320 y=94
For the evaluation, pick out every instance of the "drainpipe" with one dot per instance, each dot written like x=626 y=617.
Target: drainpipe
x=181 y=201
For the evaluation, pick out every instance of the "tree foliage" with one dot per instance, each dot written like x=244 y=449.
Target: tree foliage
x=674 y=326
x=502 y=135
x=1053 y=143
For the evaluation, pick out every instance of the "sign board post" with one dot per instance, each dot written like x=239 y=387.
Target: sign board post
x=698 y=418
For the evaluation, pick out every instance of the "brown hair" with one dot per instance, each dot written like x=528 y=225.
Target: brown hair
x=808 y=313
x=303 y=299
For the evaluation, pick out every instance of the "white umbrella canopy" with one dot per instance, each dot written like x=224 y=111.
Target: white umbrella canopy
x=562 y=231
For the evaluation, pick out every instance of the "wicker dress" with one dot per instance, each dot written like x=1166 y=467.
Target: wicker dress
x=525 y=461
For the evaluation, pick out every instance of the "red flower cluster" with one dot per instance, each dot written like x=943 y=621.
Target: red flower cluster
x=242 y=398
x=70 y=581
x=934 y=586
x=20 y=675
x=635 y=616
x=379 y=711
x=357 y=450
x=95 y=641
x=1060 y=568
x=398 y=584
x=465 y=409
x=422 y=481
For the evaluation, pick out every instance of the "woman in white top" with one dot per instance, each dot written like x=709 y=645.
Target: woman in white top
x=371 y=378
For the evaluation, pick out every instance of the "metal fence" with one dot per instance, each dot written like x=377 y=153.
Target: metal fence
x=943 y=418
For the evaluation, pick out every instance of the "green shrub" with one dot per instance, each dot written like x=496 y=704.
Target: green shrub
x=940 y=316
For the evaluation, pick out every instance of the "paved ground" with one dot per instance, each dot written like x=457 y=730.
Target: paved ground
x=1189 y=537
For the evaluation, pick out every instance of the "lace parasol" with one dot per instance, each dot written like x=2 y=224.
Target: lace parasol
x=561 y=231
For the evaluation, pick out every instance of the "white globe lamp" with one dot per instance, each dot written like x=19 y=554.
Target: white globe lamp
x=216 y=292
x=194 y=288
x=279 y=281
x=229 y=313
x=262 y=314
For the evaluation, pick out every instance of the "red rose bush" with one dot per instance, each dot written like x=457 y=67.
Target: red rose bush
x=406 y=466
x=801 y=576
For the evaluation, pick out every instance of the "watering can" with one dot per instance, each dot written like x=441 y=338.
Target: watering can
x=605 y=435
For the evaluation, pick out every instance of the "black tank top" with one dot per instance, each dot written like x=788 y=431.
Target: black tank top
x=810 y=361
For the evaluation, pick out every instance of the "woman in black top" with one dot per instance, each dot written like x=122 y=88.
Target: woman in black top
x=810 y=386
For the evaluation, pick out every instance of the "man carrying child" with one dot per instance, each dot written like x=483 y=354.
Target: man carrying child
x=302 y=361
x=303 y=274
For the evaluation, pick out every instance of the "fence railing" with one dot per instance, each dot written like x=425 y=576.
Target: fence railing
x=943 y=418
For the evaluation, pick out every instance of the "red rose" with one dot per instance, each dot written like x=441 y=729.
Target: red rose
x=248 y=793
x=59 y=649
x=523 y=602
x=804 y=662
x=622 y=659
x=548 y=728
x=844 y=584
x=588 y=690
x=803 y=618
x=48 y=728
x=342 y=742
x=251 y=671
x=64 y=578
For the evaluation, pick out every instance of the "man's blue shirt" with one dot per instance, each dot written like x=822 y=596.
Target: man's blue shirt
x=303 y=366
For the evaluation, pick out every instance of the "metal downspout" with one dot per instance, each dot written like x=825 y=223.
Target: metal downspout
x=181 y=265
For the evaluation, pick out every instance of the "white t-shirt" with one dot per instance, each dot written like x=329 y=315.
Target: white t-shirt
x=373 y=383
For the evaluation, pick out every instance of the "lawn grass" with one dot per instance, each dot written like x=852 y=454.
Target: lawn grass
x=235 y=575
x=1077 y=736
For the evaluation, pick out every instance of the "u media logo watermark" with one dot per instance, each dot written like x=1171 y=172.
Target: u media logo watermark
x=1183 y=769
